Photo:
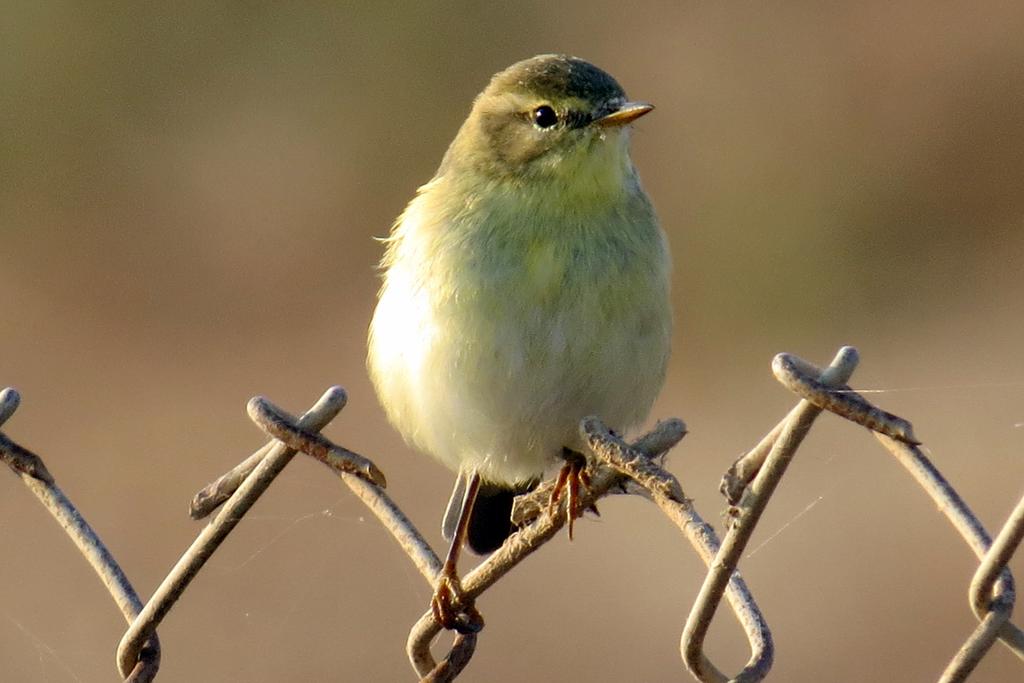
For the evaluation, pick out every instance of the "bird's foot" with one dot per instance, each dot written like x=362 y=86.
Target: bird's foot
x=571 y=478
x=451 y=609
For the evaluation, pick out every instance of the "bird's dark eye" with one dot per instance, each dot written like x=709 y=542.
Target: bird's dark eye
x=544 y=116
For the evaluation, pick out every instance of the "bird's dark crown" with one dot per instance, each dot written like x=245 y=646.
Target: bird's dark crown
x=556 y=77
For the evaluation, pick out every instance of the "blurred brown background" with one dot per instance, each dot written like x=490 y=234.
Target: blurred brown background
x=188 y=196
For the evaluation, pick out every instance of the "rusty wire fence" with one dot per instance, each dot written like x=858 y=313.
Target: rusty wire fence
x=615 y=467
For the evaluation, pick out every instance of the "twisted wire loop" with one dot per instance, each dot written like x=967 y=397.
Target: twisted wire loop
x=992 y=592
x=214 y=494
x=451 y=665
x=33 y=473
x=762 y=470
x=539 y=524
x=985 y=583
x=145 y=623
x=367 y=482
x=667 y=494
x=993 y=606
x=358 y=473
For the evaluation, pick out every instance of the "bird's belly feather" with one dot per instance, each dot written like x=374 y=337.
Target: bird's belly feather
x=497 y=372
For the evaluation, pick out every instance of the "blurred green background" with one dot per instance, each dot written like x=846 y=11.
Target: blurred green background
x=188 y=196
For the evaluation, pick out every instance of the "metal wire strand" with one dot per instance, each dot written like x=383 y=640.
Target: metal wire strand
x=992 y=591
x=215 y=493
x=665 y=491
x=366 y=481
x=985 y=595
x=362 y=477
x=520 y=545
x=38 y=480
x=793 y=430
x=994 y=614
x=802 y=379
x=418 y=647
x=209 y=539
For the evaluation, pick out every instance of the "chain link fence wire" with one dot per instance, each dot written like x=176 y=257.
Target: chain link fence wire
x=616 y=467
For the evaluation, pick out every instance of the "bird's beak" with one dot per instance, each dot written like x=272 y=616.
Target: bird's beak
x=627 y=113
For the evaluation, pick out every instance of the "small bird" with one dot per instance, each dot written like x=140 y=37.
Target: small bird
x=525 y=287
